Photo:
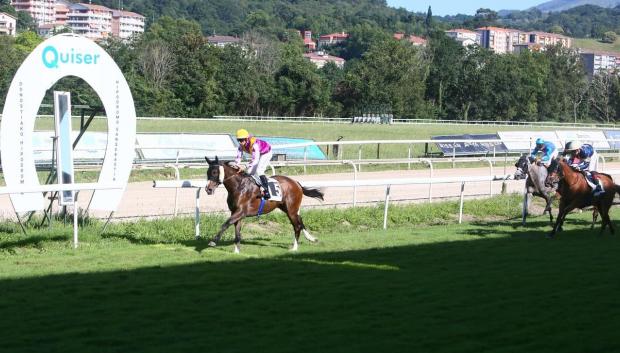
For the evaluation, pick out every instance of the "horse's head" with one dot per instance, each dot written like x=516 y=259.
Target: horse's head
x=522 y=166
x=215 y=175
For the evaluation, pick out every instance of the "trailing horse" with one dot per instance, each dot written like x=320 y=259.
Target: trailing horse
x=576 y=193
x=535 y=184
x=244 y=199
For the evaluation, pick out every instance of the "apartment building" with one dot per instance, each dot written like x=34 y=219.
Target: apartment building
x=90 y=21
x=506 y=40
x=41 y=11
x=8 y=24
x=61 y=12
x=464 y=36
x=597 y=61
x=126 y=24
x=332 y=39
x=546 y=39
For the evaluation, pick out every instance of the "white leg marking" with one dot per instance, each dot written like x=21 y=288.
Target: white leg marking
x=295 y=244
x=308 y=236
x=236 y=249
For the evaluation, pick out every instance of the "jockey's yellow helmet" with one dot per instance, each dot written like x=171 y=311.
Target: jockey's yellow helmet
x=242 y=134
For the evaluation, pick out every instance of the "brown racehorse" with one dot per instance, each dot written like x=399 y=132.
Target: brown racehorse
x=576 y=193
x=244 y=199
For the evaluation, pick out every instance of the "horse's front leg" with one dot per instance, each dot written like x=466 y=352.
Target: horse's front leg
x=237 y=236
x=233 y=219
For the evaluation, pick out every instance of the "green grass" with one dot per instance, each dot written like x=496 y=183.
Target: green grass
x=595 y=44
x=426 y=285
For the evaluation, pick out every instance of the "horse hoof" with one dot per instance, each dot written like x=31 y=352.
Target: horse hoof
x=212 y=244
x=237 y=249
x=550 y=236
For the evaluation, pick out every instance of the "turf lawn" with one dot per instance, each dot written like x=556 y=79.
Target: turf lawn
x=427 y=284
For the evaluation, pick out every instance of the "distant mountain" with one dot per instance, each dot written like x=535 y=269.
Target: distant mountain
x=562 y=5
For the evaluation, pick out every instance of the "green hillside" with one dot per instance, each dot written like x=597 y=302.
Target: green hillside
x=593 y=44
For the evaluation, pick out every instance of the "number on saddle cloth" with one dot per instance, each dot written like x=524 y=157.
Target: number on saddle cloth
x=274 y=189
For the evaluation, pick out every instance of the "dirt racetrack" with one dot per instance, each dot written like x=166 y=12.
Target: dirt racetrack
x=142 y=200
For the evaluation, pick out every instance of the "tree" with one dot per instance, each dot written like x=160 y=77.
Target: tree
x=157 y=62
x=428 y=22
x=609 y=37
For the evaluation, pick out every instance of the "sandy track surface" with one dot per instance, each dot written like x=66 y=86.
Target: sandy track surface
x=142 y=200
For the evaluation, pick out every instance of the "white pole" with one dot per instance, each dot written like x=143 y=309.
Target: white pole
x=524 y=211
x=385 y=211
x=461 y=206
x=409 y=157
x=197 y=220
x=305 y=159
x=75 y=224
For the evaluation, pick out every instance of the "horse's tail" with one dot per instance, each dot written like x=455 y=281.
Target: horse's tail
x=315 y=193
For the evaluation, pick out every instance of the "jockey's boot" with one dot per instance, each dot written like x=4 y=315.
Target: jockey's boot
x=263 y=180
x=598 y=190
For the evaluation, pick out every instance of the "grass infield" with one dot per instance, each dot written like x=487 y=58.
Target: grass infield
x=427 y=284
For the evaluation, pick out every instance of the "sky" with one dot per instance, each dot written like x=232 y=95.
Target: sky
x=468 y=7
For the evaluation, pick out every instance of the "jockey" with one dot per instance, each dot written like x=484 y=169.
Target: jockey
x=583 y=158
x=547 y=149
x=260 y=151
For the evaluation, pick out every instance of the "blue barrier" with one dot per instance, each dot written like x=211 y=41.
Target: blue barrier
x=312 y=152
x=613 y=135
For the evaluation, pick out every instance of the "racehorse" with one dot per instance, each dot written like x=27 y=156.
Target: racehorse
x=535 y=184
x=576 y=193
x=244 y=199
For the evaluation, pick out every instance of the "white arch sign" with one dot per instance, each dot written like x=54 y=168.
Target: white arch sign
x=60 y=56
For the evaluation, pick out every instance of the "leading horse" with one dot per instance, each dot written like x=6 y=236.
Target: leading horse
x=576 y=193
x=244 y=199
x=535 y=184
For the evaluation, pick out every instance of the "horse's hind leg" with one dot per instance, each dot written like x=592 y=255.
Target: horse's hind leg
x=297 y=227
x=594 y=217
x=307 y=234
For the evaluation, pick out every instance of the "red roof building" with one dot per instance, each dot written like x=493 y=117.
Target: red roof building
x=332 y=39
x=321 y=58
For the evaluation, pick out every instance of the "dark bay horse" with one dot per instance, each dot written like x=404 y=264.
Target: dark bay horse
x=576 y=193
x=244 y=199
x=535 y=184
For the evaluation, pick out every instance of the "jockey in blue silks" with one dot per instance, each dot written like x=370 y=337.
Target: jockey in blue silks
x=545 y=148
x=583 y=158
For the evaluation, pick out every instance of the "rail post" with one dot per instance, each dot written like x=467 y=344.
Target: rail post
x=385 y=210
x=305 y=159
x=359 y=157
x=75 y=223
x=461 y=202
x=197 y=215
x=409 y=157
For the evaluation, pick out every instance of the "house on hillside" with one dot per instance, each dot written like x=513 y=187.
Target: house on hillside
x=309 y=44
x=320 y=58
x=222 y=41
x=8 y=24
x=332 y=39
x=415 y=40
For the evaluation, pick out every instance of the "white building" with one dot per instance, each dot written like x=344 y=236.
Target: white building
x=597 y=61
x=126 y=24
x=464 y=36
x=41 y=11
x=321 y=58
x=8 y=24
x=91 y=21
